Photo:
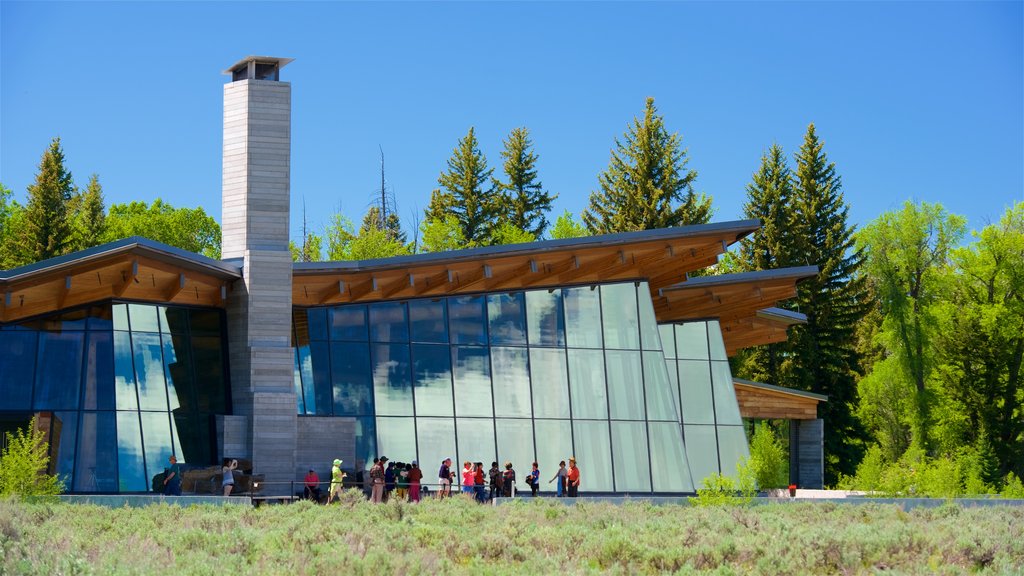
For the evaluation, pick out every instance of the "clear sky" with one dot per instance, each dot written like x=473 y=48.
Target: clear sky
x=921 y=101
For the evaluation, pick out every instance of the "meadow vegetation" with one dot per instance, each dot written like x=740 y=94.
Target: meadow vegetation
x=538 y=537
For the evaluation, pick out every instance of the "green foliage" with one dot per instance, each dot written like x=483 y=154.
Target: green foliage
x=720 y=490
x=89 y=217
x=509 y=233
x=469 y=194
x=442 y=235
x=1012 y=487
x=311 y=249
x=45 y=229
x=647 y=184
x=524 y=202
x=567 y=227
x=24 y=463
x=11 y=216
x=392 y=224
x=768 y=459
x=190 y=229
x=344 y=244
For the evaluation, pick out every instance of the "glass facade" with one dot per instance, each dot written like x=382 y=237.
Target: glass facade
x=119 y=387
x=702 y=384
x=537 y=375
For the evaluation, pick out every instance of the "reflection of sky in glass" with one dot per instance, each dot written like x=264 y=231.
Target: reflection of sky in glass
x=629 y=457
x=511 y=381
x=149 y=371
x=544 y=318
x=432 y=374
x=157 y=441
x=472 y=382
x=391 y=379
x=131 y=474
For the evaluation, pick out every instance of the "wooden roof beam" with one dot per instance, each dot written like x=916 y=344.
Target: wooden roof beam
x=596 y=266
x=392 y=288
x=175 y=287
x=511 y=275
x=129 y=276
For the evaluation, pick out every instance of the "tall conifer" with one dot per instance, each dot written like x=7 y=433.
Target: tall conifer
x=471 y=196
x=647 y=184
x=525 y=203
x=46 y=228
x=90 y=216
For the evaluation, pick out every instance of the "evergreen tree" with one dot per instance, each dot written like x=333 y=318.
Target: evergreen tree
x=440 y=206
x=824 y=351
x=473 y=199
x=525 y=203
x=647 y=184
x=567 y=227
x=392 y=224
x=89 y=217
x=46 y=227
x=769 y=198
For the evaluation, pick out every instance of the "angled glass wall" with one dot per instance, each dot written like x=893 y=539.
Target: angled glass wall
x=523 y=376
x=703 y=389
x=119 y=387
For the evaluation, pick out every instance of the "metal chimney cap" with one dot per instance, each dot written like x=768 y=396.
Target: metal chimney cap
x=244 y=62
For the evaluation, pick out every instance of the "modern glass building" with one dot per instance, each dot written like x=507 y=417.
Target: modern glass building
x=603 y=348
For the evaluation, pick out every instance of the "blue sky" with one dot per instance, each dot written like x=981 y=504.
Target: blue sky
x=921 y=101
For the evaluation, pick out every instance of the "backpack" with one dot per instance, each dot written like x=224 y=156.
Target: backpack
x=158 y=481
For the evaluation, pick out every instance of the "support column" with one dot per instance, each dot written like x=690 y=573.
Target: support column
x=807 y=453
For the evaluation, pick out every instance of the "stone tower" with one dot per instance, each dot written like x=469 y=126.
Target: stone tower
x=255 y=222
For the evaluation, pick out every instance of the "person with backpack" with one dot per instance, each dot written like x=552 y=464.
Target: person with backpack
x=508 y=481
x=533 y=479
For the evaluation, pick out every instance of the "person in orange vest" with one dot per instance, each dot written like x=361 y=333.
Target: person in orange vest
x=573 y=478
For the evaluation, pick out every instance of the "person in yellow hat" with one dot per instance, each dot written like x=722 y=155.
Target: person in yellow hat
x=337 y=480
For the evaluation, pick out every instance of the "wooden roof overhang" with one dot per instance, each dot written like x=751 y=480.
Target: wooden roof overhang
x=741 y=302
x=764 y=401
x=660 y=257
x=133 y=269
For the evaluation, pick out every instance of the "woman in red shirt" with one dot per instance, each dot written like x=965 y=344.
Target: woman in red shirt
x=415 y=475
x=573 y=478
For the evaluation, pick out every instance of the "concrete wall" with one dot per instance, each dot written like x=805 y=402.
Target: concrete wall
x=255 y=220
x=320 y=440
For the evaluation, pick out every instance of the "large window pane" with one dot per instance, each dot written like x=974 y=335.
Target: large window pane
x=544 y=321
x=701 y=452
x=124 y=373
x=156 y=436
x=300 y=401
x=549 y=374
x=583 y=317
x=476 y=441
x=178 y=371
x=554 y=444
x=511 y=374
x=593 y=456
x=392 y=380
x=388 y=322
x=348 y=323
x=143 y=318
x=732 y=448
x=18 y=350
x=716 y=344
x=467 y=320
x=432 y=380
x=436 y=439
x=668 y=339
x=692 y=341
x=204 y=322
x=305 y=367
x=727 y=411
x=194 y=438
x=62 y=445
x=695 y=392
x=173 y=320
x=96 y=465
x=351 y=386
x=515 y=445
x=120 y=316
x=366 y=442
x=428 y=320
x=650 y=339
x=316 y=319
x=396 y=439
x=662 y=403
x=59 y=373
x=472 y=372
x=211 y=387
x=671 y=472
x=630 y=461
x=323 y=395
x=149 y=371
x=100 y=318
x=506 y=318
x=587 y=384
x=625 y=385
x=619 y=315
x=131 y=471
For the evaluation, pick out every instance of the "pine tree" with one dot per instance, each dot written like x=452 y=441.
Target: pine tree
x=89 y=217
x=46 y=228
x=647 y=184
x=824 y=351
x=473 y=199
x=769 y=198
x=392 y=224
x=525 y=203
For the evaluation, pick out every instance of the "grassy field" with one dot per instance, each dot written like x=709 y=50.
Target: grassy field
x=541 y=537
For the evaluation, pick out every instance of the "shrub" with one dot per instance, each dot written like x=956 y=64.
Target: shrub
x=1012 y=487
x=720 y=490
x=768 y=458
x=23 y=465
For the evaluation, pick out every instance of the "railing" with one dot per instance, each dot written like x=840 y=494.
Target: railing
x=297 y=490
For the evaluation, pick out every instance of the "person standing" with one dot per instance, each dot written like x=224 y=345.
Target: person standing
x=508 y=481
x=377 y=480
x=337 y=481
x=533 y=479
x=444 y=478
x=495 y=477
x=172 y=477
x=415 y=475
x=573 y=478
x=560 y=476
x=389 y=479
x=228 y=473
x=478 y=482
x=467 y=476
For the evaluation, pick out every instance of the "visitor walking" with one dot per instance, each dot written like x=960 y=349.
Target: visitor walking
x=172 y=477
x=560 y=476
x=444 y=478
x=228 y=473
x=377 y=480
x=573 y=478
x=508 y=481
x=415 y=475
x=533 y=479
x=337 y=481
